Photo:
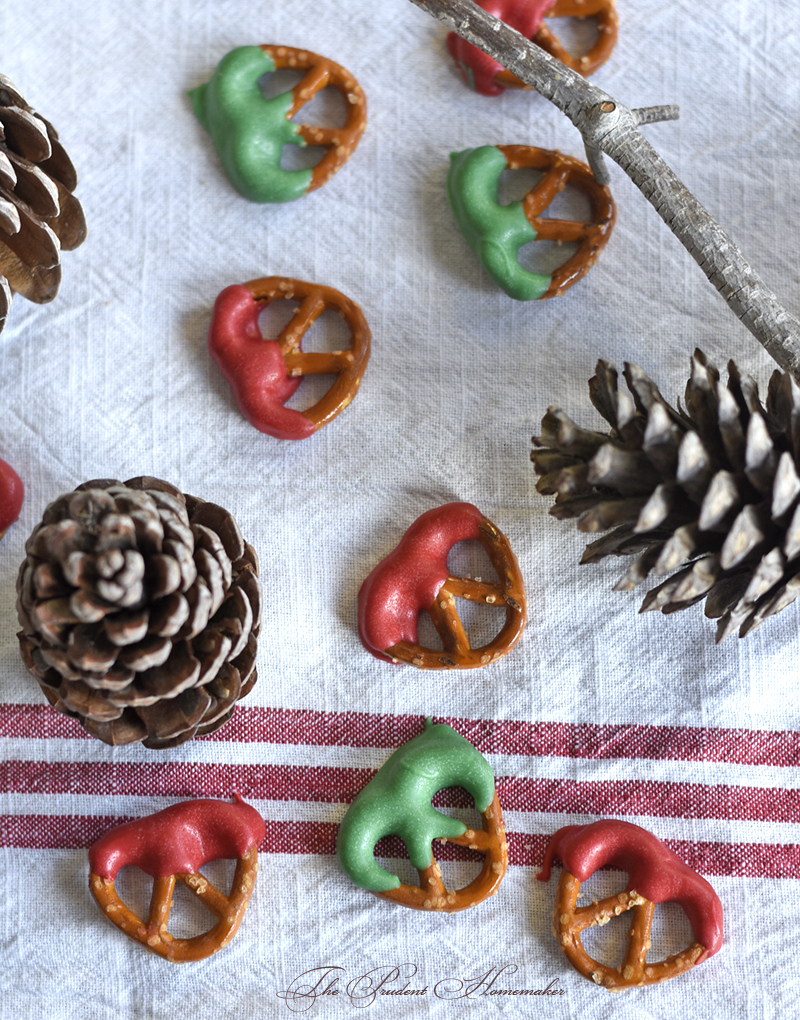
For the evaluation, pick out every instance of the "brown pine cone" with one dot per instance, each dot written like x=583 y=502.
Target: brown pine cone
x=39 y=215
x=709 y=495
x=140 y=610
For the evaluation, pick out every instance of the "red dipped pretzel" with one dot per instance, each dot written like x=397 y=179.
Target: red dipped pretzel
x=171 y=846
x=263 y=374
x=487 y=76
x=605 y=14
x=414 y=578
x=655 y=875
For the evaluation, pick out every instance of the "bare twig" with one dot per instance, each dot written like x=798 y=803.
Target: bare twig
x=611 y=128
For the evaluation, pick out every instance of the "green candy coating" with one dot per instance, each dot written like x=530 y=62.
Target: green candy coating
x=397 y=801
x=494 y=232
x=248 y=130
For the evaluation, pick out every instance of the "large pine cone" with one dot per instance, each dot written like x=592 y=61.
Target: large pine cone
x=140 y=610
x=712 y=493
x=39 y=215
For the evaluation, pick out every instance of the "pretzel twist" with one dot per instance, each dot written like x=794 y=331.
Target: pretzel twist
x=591 y=236
x=347 y=365
x=320 y=72
x=432 y=894
x=507 y=593
x=605 y=14
x=569 y=921
x=152 y=933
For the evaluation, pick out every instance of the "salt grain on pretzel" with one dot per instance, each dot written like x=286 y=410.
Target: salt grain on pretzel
x=397 y=801
x=171 y=846
x=655 y=875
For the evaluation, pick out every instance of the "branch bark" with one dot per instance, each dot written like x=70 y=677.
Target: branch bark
x=611 y=128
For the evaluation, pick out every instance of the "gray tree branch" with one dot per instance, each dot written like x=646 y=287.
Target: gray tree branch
x=611 y=128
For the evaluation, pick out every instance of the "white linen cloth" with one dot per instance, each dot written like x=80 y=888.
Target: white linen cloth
x=641 y=717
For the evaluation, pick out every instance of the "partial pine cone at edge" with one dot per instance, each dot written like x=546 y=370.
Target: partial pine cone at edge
x=39 y=215
x=140 y=610
x=709 y=494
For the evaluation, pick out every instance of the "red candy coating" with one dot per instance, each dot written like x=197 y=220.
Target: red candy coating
x=12 y=493
x=523 y=15
x=254 y=366
x=180 y=839
x=408 y=580
x=653 y=870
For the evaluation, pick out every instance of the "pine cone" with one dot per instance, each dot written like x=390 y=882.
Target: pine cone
x=139 y=609
x=711 y=493
x=39 y=215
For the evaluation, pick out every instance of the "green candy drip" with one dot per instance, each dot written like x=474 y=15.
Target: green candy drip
x=249 y=131
x=397 y=801
x=494 y=232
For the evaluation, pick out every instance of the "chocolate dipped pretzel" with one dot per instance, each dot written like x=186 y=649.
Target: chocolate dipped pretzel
x=397 y=801
x=414 y=578
x=496 y=232
x=171 y=846
x=249 y=130
x=263 y=373
x=655 y=875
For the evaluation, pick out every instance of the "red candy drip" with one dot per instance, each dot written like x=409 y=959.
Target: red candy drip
x=12 y=493
x=253 y=366
x=180 y=839
x=523 y=15
x=406 y=582
x=653 y=870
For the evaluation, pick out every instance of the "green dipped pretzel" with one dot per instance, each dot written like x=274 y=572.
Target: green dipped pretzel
x=397 y=801
x=496 y=232
x=249 y=130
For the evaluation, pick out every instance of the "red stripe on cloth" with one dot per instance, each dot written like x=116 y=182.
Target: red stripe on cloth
x=740 y=860
x=340 y=785
x=543 y=739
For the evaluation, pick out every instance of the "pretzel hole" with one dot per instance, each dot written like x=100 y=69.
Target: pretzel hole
x=329 y=333
x=457 y=872
x=670 y=932
x=275 y=83
x=391 y=854
x=134 y=888
x=605 y=943
x=328 y=108
x=276 y=315
x=545 y=256
x=427 y=635
x=481 y=620
x=459 y=865
x=301 y=157
x=513 y=185
x=569 y=204
x=576 y=35
x=189 y=917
